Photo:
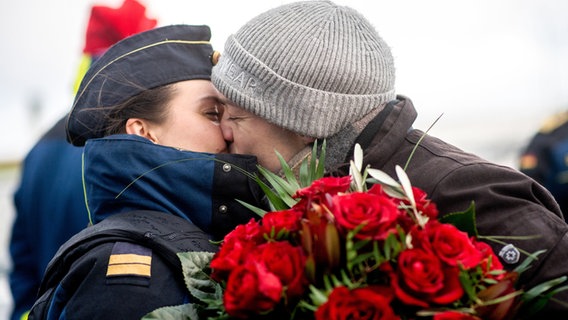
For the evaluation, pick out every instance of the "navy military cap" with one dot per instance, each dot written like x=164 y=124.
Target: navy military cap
x=140 y=62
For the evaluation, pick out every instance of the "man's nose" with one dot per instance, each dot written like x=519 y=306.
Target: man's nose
x=226 y=130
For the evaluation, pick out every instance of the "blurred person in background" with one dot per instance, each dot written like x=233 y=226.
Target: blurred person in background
x=545 y=158
x=49 y=201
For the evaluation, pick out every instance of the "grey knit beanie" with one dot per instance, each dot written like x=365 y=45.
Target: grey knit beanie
x=312 y=67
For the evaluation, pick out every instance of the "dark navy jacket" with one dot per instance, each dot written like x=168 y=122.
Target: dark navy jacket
x=50 y=208
x=127 y=275
x=128 y=172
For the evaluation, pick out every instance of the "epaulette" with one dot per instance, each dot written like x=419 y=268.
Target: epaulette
x=129 y=259
x=553 y=122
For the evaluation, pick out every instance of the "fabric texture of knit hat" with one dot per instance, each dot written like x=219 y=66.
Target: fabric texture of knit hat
x=312 y=67
x=140 y=62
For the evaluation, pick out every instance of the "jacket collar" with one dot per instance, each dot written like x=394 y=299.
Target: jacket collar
x=391 y=132
x=127 y=172
x=382 y=134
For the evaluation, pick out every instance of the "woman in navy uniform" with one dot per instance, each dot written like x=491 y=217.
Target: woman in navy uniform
x=51 y=170
x=157 y=178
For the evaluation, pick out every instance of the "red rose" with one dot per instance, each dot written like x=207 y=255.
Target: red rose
x=235 y=248
x=287 y=263
x=362 y=303
x=405 y=220
x=377 y=189
x=251 y=290
x=379 y=214
x=277 y=221
x=450 y=244
x=331 y=185
x=421 y=278
x=231 y=255
x=490 y=261
x=454 y=315
x=251 y=231
x=423 y=204
x=317 y=191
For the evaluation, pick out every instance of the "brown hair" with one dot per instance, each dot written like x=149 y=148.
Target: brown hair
x=151 y=105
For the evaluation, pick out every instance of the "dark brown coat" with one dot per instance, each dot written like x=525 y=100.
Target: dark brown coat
x=507 y=202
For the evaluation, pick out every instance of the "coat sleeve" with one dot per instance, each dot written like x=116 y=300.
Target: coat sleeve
x=24 y=280
x=509 y=204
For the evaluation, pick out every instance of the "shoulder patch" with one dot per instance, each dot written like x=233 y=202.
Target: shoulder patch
x=129 y=259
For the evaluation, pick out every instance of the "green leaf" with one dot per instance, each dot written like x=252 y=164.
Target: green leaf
x=393 y=245
x=181 y=312
x=537 y=303
x=542 y=288
x=278 y=184
x=396 y=193
x=259 y=211
x=419 y=141
x=279 y=190
x=313 y=163
x=195 y=266
x=358 y=157
x=275 y=201
x=305 y=179
x=314 y=168
x=357 y=178
x=288 y=173
x=406 y=185
x=525 y=265
x=467 y=284
x=362 y=257
x=320 y=168
x=383 y=178
x=503 y=298
x=464 y=220
x=317 y=296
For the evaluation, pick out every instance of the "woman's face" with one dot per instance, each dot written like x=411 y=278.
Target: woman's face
x=192 y=121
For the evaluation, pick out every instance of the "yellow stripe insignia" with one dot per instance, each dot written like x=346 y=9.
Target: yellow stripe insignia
x=129 y=259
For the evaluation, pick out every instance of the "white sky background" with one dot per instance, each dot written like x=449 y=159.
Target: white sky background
x=495 y=68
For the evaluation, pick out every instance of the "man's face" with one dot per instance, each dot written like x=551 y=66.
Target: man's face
x=246 y=133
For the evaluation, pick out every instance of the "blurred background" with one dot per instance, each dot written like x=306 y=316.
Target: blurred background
x=493 y=70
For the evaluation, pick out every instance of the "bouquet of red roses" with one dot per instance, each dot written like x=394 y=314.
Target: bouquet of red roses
x=339 y=250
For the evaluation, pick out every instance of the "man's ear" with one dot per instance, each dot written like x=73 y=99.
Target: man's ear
x=140 y=127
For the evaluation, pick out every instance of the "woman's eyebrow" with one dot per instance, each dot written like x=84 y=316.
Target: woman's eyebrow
x=212 y=97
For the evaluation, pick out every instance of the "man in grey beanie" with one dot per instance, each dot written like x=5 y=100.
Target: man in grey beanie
x=313 y=70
